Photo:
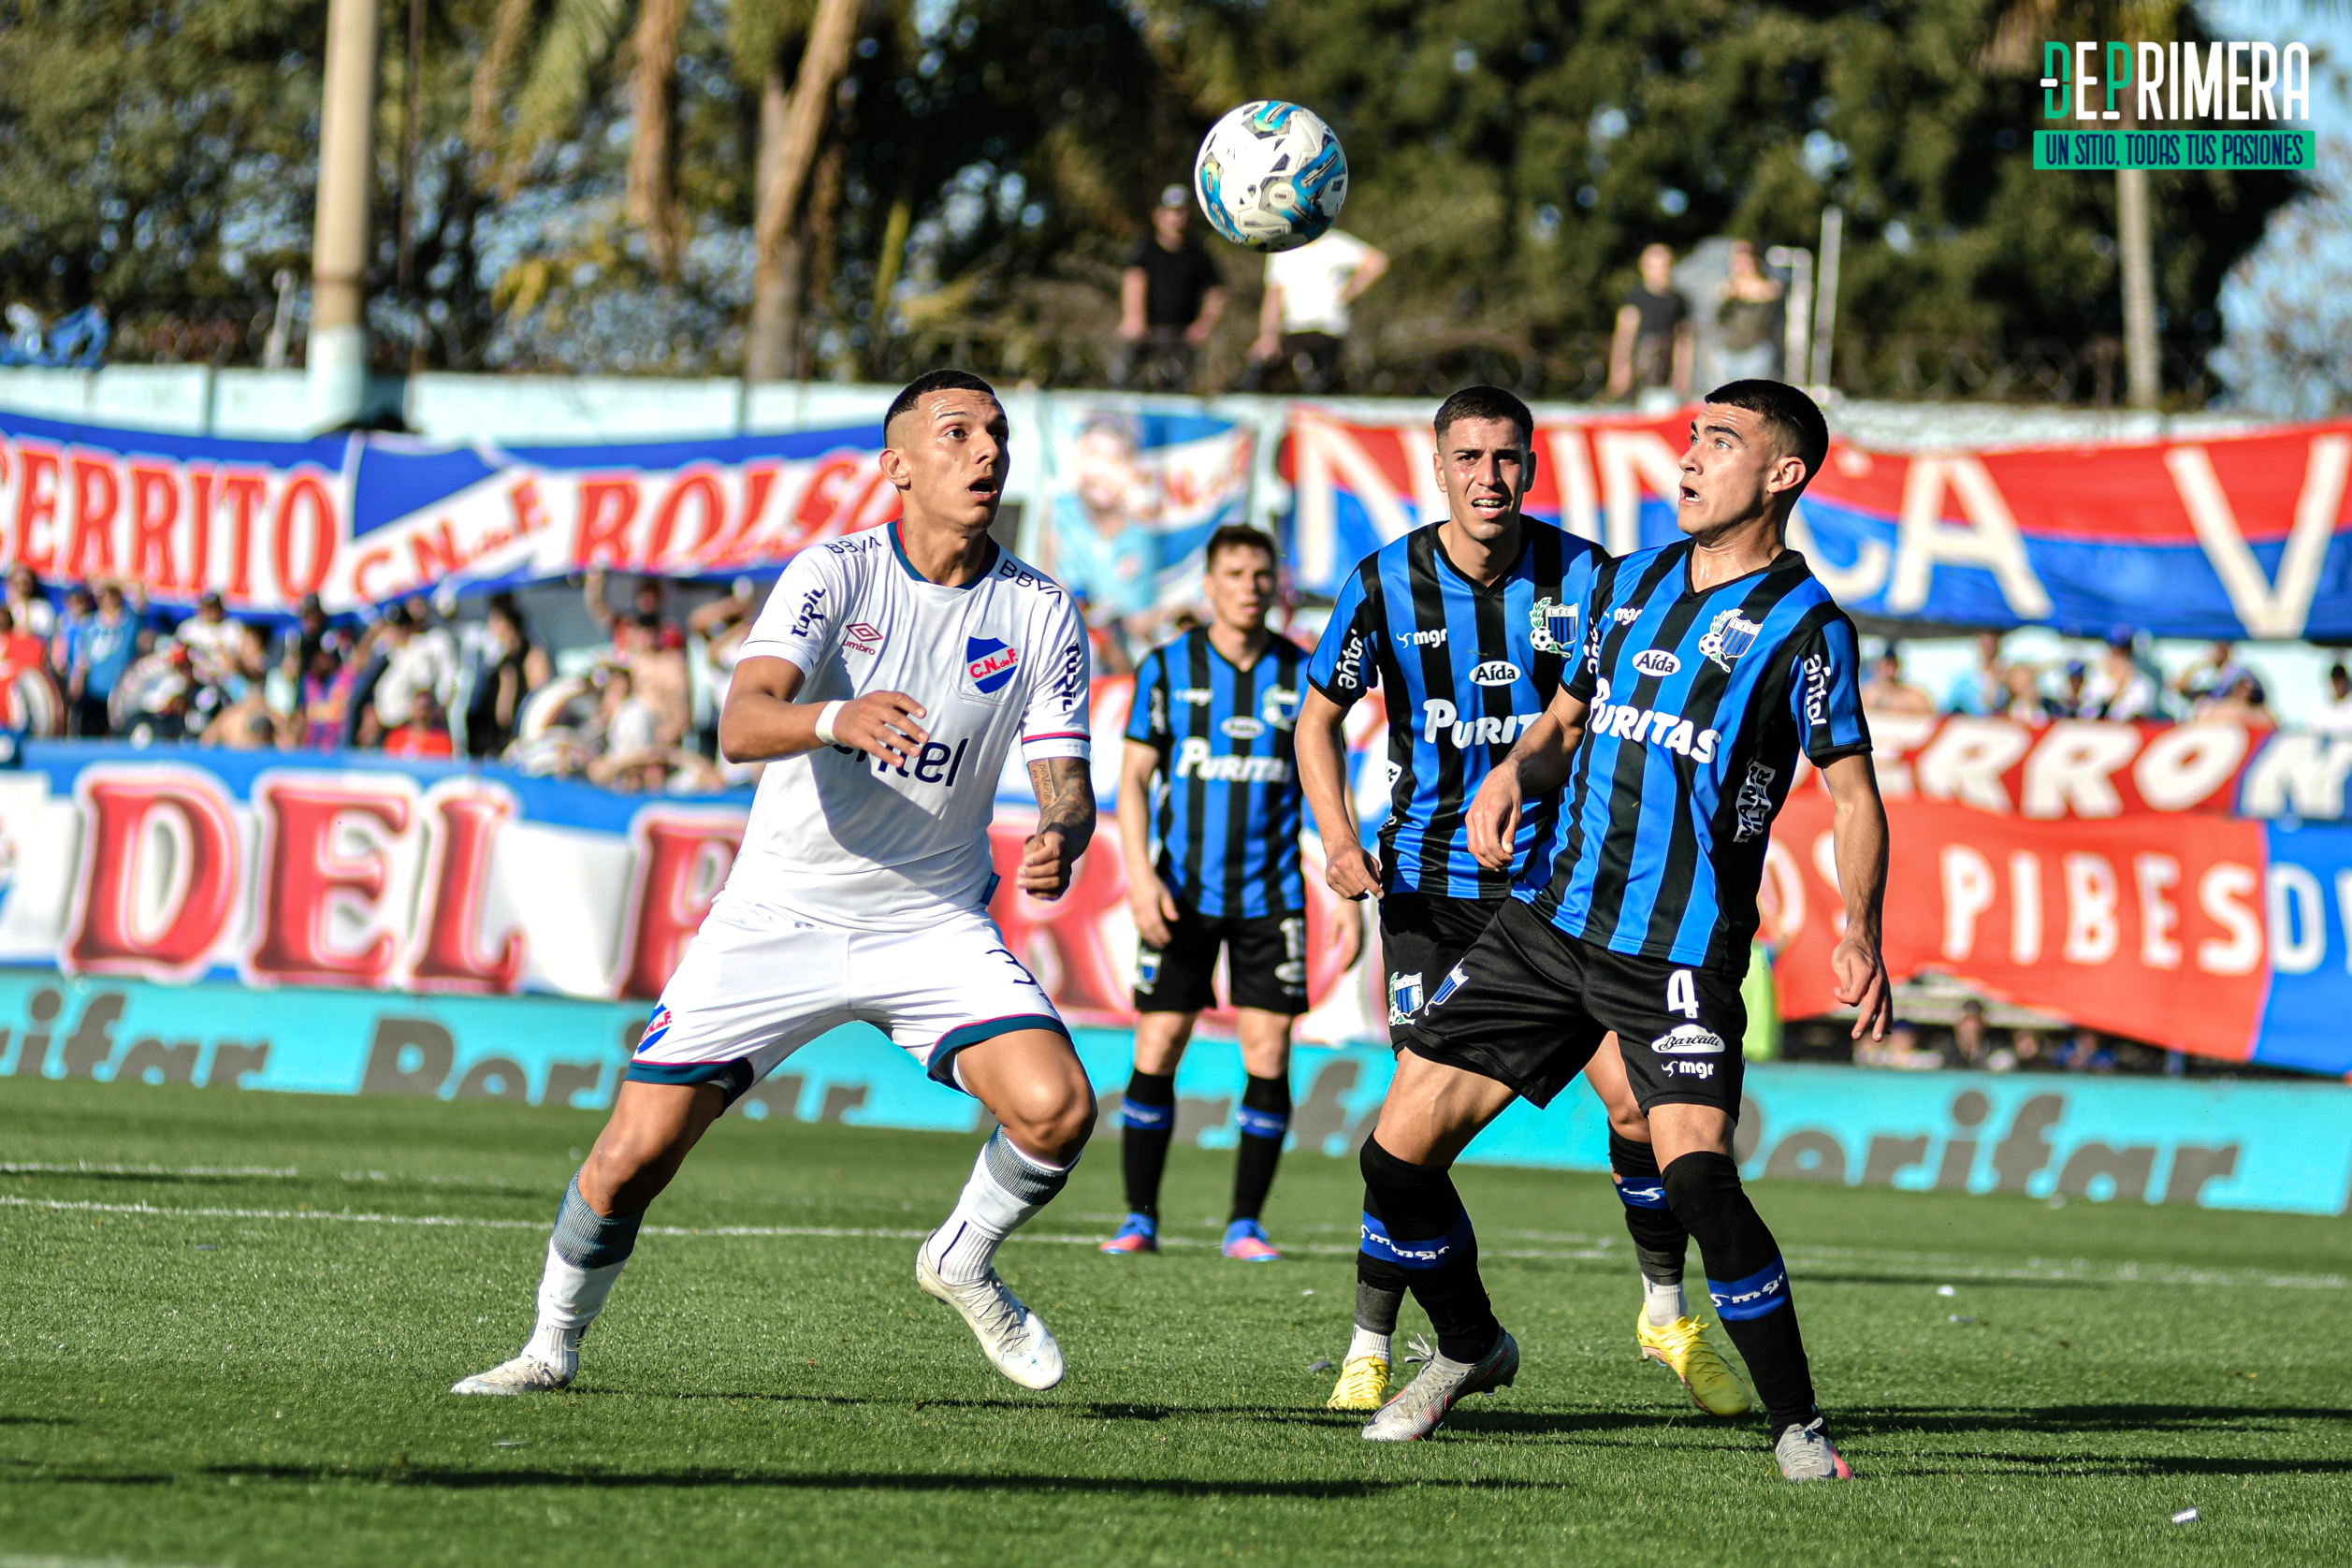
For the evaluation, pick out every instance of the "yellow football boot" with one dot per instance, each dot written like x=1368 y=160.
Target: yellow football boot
x=1363 y=1383
x=1682 y=1349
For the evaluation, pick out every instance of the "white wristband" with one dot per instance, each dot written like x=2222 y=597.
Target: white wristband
x=825 y=716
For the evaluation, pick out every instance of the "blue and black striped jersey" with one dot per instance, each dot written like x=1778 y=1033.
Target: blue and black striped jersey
x=1699 y=705
x=1462 y=669
x=1228 y=789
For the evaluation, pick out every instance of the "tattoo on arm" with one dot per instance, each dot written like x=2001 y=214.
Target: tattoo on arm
x=1065 y=799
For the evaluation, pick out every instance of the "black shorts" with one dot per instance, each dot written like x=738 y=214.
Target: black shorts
x=1421 y=936
x=1266 y=964
x=1527 y=1007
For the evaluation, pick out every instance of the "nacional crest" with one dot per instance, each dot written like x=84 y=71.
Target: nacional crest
x=1404 y=999
x=1729 y=636
x=1552 y=627
x=989 y=665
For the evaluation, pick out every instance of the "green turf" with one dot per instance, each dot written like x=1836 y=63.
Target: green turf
x=184 y=1387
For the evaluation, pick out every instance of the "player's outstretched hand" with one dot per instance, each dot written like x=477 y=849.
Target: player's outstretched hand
x=1351 y=870
x=1493 y=818
x=882 y=724
x=1045 y=865
x=1153 y=907
x=1862 y=983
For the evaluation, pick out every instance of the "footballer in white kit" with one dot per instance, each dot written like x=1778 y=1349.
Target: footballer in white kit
x=886 y=680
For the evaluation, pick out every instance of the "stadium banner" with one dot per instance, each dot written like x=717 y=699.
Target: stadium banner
x=362 y=519
x=2210 y=536
x=2231 y=940
x=1133 y=490
x=2264 y=1146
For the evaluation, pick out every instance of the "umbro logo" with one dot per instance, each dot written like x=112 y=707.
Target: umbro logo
x=862 y=637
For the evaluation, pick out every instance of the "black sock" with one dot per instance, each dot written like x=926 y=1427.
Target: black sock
x=1750 y=1286
x=1660 y=1242
x=1147 y=1120
x=1380 y=1297
x=1265 y=1122
x=1413 y=1216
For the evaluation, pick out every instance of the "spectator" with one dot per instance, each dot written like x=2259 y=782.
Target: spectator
x=1306 y=313
x=424 y=731
x=1747 y=320
x=2089 y=1053
x=2208 y=676
x=644 y=604
x=2074 y=699
x=2021 y=697
x=1985 y=689
x=625 y=722
x=1968 y=1041
x=2245 y=703
x=715 y=637
x=1887 y=692
x=325 y=697
x=66 y=630
x=657 y=770
x=238 y=695
x=502 y=665
x=21 y=654
x=27 y=605
x=656 y=669
x=1652 y=348
x=108 y=644
x=2333 y=716
x=2122 y=683
x=422 y=658
x=303 y=639
x=1171 y=298
x=1102 y=545
x=211 y=637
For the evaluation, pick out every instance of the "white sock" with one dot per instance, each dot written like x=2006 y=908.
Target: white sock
x=1008 y=1187
x=1662 y=1301
x=570 y=1297
x=1366 y=1343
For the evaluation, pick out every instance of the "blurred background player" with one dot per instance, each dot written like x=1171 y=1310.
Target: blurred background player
x=886 y=678
x=1467 y=627
x=1710 y=665
x=1171 y=298
x=1208 y=741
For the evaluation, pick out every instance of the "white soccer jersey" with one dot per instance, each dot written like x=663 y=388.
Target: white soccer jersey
x=840 y=837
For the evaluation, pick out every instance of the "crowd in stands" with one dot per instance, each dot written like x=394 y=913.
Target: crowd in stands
x=414 y=680
x=2122 y=682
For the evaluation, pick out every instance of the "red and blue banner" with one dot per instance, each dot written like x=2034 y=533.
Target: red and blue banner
x=2242 y=535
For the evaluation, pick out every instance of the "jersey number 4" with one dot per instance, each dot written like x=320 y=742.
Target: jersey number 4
x=1682 y=993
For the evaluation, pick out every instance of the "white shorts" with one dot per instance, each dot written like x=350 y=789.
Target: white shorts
x=757 y=984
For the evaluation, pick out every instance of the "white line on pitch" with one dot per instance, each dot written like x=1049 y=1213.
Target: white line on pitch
x=85 y=1168
x=2078 y=1274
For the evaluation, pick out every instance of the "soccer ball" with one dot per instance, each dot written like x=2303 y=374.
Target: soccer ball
x=1270 y=176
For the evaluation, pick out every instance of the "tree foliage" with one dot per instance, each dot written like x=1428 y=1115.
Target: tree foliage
x=988 y=160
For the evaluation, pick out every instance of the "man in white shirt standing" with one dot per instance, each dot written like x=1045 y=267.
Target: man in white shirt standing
x=1305 y=316
x=884 y=682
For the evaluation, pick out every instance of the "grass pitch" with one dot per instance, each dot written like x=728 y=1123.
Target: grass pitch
x=228 y=1321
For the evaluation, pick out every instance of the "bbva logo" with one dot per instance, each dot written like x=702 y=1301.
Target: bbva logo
x=1494 y=672
x=1656 y=662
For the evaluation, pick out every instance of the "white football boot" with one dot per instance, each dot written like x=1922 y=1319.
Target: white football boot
x=547 y=1363
x=1015 y=1339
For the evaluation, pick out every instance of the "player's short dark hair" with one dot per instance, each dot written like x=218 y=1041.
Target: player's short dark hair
x=1239 y=536
x=933 y=381
x=1484 y=402
x=1794 y=417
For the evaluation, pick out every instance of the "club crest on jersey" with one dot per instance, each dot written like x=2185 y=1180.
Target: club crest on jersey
x=989 y=665
x=862 y=637
x=1404 y=999
x=1687 y=1040
x=656 y=1026
x=1657 y=662
x=1494 y=672
x=1729 y=636
x=1552 y=627
x=1279 y=708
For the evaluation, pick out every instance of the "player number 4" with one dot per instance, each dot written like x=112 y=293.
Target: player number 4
x=1682 y=993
